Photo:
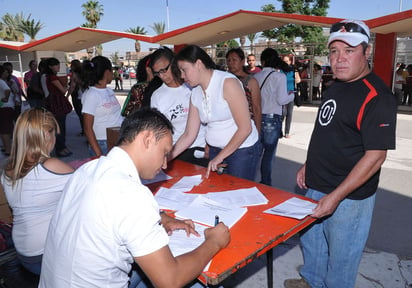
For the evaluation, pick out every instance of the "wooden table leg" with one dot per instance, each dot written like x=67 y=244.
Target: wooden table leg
x=269 y=267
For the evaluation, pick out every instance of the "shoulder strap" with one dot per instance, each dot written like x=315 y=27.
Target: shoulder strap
x=266 y=79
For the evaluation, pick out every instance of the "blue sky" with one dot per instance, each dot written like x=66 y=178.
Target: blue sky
x=58 y=15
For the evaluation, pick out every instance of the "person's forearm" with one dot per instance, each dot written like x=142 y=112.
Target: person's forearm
x=181 y=145
x=91 y=138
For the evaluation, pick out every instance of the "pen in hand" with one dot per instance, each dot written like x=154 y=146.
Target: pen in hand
x=216 y=220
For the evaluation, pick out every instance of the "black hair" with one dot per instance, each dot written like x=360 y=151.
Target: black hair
x=2 y=69
x=192 y=53
x=51 y=62
x=238 y=51
x=167 y=53
x=31 y=62
x=141 y=74
x=42 y=66
x=270 y=58
x=75 y=66
x=93 y=71
x=144 y=119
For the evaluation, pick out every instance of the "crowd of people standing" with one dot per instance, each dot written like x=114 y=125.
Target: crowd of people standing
x=187 y=108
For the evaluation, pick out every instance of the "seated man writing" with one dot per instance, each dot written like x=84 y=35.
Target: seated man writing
x=106 y=218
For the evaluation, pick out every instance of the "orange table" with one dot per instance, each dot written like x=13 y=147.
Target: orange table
x=255 y=234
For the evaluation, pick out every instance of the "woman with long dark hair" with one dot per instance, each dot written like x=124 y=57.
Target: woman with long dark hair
x=218 y=100
x=101 y=109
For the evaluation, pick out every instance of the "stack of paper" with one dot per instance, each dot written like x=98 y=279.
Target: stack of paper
x=293 y=207
x=173 y=199
x=186 y=183
x=204 y=210
x=240 y=197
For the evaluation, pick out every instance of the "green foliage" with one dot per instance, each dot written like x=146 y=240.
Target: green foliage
x=30 y=27
x=290 y=32
x=137 y=30
x=9 y=27
x=159 y=27
x=115 y=58
x=92 y=11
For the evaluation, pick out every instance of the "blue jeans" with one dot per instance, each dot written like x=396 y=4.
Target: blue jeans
x=271 y=129
x=102 y=145
x=242 y=163
x=333 y=246
x=32 y=264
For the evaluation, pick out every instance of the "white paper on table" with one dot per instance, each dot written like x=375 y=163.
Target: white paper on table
x=294 y=208
x=180 y=243
x=161 y=176
x=173 y=199
x=188 y=182
x=240 y=197
x=204 y=210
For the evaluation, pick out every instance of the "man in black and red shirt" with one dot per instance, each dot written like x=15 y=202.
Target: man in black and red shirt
x=355 y=127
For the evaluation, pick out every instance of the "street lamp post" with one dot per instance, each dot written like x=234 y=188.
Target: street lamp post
x=167 y=15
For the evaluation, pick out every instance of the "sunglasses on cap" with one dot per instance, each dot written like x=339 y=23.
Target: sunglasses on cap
x=161 y=71
x=348 y=27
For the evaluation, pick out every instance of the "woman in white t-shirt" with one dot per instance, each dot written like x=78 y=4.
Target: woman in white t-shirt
x=218 y=100
x=33 y=183
x=173 y=100
x=101 y=109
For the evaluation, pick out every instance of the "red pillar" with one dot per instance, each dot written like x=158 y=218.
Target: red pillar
x=383 y=62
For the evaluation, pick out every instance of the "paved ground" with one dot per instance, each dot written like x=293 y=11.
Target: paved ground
x=387 y=261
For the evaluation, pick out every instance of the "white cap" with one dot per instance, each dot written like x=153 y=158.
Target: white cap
x=352 y=32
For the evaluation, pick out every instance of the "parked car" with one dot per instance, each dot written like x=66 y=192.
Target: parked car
x=129 y=73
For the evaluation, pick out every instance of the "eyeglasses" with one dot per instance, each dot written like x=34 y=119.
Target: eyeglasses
x=161 y=71
x=348 y=27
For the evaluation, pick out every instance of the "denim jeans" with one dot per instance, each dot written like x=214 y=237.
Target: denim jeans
x=271 y=129
x=102 y=145
x=333 y=246
x=242 y=163
x=32 y=264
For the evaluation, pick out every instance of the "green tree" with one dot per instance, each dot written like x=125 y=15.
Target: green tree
x=140 y=31
x=290 y=32
x=159 y=27
x=92 y=11
x=115 y=58
x=251 y=37
x=30 y=27
x=9 y=27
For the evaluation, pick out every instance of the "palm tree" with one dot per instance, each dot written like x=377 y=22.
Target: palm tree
x=140 y=31
x=242 y=40
x=9 y=27
x=92 y=11
x=30 y=28
x=159 y=27
x=251 y=38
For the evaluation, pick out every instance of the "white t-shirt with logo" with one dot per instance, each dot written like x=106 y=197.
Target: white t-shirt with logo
x=104 y=106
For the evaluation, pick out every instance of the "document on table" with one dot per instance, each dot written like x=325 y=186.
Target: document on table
x=186 y=183
x=180 y=243
x=173 y=199
x=204 y=210
x=161 y=176
x=240 y=197
x=294 y=208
